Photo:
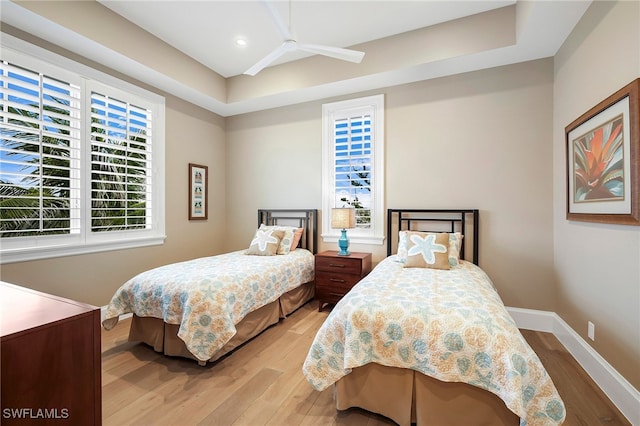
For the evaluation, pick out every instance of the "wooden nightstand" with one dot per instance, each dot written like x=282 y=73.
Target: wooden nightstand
x=335 y=275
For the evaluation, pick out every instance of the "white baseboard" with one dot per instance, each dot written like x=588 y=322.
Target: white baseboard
x=617 y=388
x=103 y=311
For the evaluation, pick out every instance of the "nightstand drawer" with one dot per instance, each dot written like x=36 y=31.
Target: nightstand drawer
x=328 y=295
x=336 y=282
x=342 y=265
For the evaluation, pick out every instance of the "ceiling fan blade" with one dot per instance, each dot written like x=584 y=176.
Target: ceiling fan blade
x=285 y=47
x=290 y=45
x=284 y=29
x=334 y=52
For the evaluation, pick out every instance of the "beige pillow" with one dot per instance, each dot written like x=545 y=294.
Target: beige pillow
x=265 y=242
x=455 y=243
x=427 y=250
x=290 y=238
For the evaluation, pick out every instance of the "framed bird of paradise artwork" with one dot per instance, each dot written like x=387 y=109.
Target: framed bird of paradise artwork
x=603 y=168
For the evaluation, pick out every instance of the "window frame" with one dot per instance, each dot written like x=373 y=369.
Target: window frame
x=43 y=247
x=330 y=113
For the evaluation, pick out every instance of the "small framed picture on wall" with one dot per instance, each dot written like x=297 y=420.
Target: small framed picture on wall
x=198 y=200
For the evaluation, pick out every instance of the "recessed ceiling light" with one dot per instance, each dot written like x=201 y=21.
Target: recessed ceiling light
x=241 y=42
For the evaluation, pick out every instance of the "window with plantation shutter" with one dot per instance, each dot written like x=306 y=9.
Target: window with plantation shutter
x=39 y=154
x=121 y=174
x=81 y=160
x=353 y=148
x=353 y=171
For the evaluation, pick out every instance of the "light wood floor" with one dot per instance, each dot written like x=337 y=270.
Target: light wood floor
x=261 y=383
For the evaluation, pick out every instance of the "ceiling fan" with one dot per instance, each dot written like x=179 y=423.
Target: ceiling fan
x=290 y=45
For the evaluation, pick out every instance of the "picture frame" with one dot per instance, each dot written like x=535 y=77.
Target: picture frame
x=603 y=168
x=198 y=197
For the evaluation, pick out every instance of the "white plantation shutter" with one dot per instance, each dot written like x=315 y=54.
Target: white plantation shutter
x=353 y=172
x=121 y=164
x=39 y=153
x=81 y=159
x=353 y=176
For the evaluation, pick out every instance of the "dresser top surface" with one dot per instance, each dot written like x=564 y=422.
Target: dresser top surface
x=24 y=309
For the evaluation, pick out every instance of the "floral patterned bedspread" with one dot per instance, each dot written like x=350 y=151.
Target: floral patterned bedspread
x=208 y=296
x=447 y=324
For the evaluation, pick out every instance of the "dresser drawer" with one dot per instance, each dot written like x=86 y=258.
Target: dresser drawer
x=342 y=265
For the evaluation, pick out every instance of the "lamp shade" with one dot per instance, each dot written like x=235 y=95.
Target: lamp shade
x=343 y=218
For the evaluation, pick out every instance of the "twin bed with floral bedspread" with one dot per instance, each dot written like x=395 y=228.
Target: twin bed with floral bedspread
x=204 y=308
x=431 y=345
x=424 y=339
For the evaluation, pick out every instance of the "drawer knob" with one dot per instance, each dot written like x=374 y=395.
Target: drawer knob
x=337 y=280
x=336 y=265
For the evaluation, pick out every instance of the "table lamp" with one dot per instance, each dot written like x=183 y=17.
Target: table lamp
x=343 y=218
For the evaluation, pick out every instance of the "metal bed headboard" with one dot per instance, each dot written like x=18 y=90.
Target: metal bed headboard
x=307 y=219
x=436 y=220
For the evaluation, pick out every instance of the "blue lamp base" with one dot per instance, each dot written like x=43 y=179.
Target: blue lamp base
x=343 y=243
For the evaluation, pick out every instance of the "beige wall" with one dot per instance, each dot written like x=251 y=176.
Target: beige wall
x=192 y=135
x=597 y=266
x=476 y=140
x=273 y=161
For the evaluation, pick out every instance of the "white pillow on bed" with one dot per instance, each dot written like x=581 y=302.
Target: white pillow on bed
x=265 y=242
x=290 y=239
x=455 y=243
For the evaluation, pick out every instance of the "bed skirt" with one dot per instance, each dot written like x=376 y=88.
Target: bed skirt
x=163 y=337
x=419 y=399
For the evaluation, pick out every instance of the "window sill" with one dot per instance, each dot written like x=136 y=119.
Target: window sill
x=355 y=239
x=58 y=250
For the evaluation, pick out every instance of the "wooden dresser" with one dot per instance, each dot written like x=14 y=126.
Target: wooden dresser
x=335 y=274
x=51 y=361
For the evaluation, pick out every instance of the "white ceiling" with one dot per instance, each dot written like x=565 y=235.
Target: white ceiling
x=206 y=30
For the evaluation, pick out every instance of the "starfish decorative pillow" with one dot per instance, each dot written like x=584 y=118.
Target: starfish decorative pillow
x=265 y=242
x=427 y=250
